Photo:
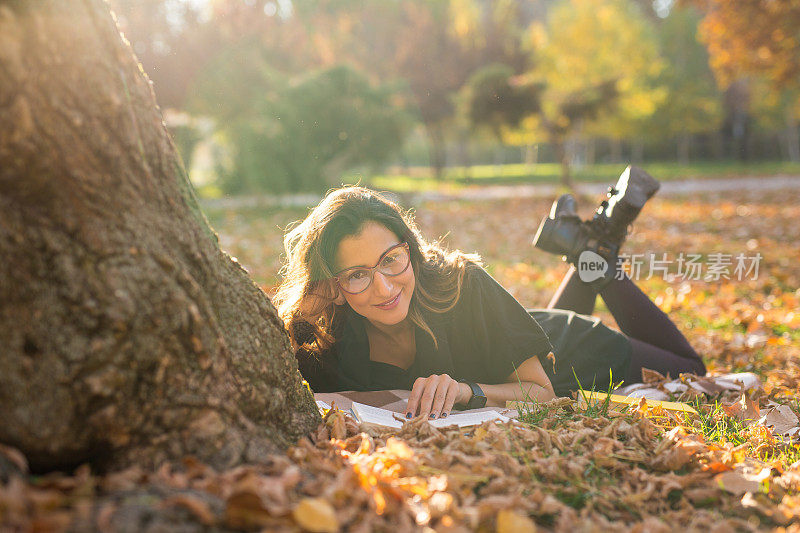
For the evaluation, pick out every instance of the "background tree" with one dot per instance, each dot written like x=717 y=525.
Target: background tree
x=431 y=47
x=496 y=103
x=299 y=134
x=170 y=39
x=497 y=100
x=434 y=64
x=757 y=39
x=127 y=335
x=693 y=103
x=594 y=42
x=577 y=64
x=427 y=51
x=492 y=33
x=752 y=37
x=778 y=110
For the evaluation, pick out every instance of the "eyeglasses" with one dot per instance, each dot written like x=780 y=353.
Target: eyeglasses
x=393 y=262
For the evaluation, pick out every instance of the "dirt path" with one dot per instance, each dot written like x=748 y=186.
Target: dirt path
x=499 y=192
x=675 y=187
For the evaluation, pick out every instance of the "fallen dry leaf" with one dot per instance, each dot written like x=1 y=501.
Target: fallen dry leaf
x=677 y=449
x=652 y=376
x=781 y=419
x=315 y=515
x=509 y=521
x=195 y=505
x=245 y=510
x=738 y=482
x=745 y=410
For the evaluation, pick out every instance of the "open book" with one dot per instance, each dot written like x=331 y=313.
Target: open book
x=367 y=414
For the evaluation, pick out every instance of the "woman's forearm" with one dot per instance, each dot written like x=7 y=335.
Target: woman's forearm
x=497 y=395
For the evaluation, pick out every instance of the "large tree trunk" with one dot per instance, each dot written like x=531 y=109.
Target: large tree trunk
x=560 y=149
x=436 y=149
x=684 y=143
x=465 y=157
x=531 y=154
x=637 y=151
x=616 y=150
x=792 y=138
x=590 y=151
x=125 y=333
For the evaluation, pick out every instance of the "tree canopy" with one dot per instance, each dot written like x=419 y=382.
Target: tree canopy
x=752 y=37
x=602 y=72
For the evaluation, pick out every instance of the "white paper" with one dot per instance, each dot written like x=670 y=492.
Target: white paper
x=375 y=415
x=384 y=417
x=747 y=379
x=649 y=393
x=469 y=419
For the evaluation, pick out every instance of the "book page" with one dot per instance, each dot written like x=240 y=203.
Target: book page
x=383 y=417
x=469 y=419
x=375 y=415
x=322 y=406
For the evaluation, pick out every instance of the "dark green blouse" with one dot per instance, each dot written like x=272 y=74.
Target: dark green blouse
x=482 y=339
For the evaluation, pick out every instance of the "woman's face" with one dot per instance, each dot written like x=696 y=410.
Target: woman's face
x=386 y=300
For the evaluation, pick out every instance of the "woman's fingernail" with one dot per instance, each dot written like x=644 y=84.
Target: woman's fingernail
x=408 y=415
x=444 y=415
x=431 y=415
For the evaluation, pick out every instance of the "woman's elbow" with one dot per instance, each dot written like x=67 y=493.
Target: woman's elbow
x=547 y=391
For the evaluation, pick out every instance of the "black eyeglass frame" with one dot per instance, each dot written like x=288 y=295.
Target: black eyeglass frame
x=375 y=268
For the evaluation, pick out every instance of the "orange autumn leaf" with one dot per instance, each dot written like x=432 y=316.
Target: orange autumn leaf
x=316 y=515
x=509 y=521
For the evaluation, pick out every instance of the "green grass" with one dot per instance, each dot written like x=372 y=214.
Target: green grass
x=691 y=321
x=716 y=426
x=782 y=329
x=549 y=173
x=789 y=455
x=533 y=412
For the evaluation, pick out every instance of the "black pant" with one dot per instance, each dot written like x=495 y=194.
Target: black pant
x=656 y=342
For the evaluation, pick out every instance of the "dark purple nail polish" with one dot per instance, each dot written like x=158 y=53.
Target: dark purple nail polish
x=408 y=415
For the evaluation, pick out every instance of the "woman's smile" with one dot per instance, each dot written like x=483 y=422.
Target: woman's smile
x=390 y=304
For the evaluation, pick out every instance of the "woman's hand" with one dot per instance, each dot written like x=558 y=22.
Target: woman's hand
x=435 y=395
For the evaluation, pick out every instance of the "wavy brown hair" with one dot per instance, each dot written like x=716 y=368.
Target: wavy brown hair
x=305 y=297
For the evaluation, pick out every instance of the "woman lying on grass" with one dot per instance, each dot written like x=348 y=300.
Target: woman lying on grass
x=369 y=304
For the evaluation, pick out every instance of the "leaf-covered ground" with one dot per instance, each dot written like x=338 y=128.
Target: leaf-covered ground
x=565 y=467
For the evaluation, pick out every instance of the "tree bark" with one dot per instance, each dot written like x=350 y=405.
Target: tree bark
x=560 y=150
x=637 y=151
x=436 y=149
x=498 y=158
x=590 y=151
x=616 y=150
x=465 y=157
x=718 y=145
x=531 y=154
x=126 y=334
x=684 y=143
x=792 y=137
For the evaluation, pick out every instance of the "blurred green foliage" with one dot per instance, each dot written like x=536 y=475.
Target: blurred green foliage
x=286 y=96
x=296 y=134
